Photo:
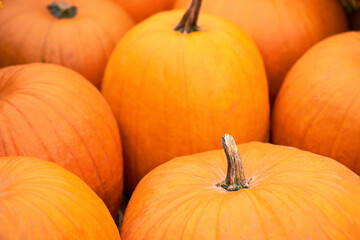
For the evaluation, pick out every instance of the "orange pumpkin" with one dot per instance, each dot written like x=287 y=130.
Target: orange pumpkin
x=281 y=193
x=41 y=200
x=319 y=104
x=283 y=30
x=79 y=34
x=174 y=91
x=141 y=9
x=50 y=112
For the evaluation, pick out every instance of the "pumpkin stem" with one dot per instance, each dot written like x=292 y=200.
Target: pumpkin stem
x=188 y=23
x=62 y=9
x=235 y=177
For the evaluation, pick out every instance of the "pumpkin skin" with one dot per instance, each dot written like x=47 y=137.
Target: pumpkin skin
x=53 y=113
x=283 y=30
x=41 y=200
x=141 y=9
x=173 y=93
x=29 y=33
x=318 y=106
x=293 y=194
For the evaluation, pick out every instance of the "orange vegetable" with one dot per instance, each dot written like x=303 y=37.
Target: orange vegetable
x=283 y=30
x=174 y=91
x=53 y=113
x=78 y=34
x=141 y=9
x=318 y=107
x=281 y=193
x=41 y=200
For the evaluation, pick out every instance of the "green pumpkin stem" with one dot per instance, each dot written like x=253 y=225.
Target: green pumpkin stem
x=235 y=177
x=188 y=23
x=62 y=9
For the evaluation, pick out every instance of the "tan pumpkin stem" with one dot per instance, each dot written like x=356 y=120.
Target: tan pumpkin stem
x=235 y=177
x=62 y=9
x=188 y=23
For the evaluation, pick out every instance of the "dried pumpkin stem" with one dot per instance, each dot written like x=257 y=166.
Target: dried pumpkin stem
x=62 y=9
x=235 y=178
x=188 y=23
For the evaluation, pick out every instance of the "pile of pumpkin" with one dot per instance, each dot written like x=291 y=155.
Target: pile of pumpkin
x=88 y=86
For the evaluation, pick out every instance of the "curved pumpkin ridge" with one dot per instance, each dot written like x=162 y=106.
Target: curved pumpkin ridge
x=335 y=145
x=86 y=147
x=310 y=90
x=55 y=203
x=180 y=65
x=283 y=31
x=265 y=206
x=83 y=96
x=62 y=41
x=52 y=157
x=136 y=167
x=26 y=120
x=102 y=172
x=109 y=123
x=82 y=141
x=335 y=101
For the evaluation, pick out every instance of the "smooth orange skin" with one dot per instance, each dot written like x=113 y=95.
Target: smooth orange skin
x=318 y=107
x=282 y=29
x=141 y=9
x=41 y=200
x=53 y=113
x=293 y=195
x=29 y=33
x=173 y=93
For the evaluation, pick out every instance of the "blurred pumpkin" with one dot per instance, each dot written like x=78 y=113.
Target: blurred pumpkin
x=319 y=104
x=53 y=113
x=276 y=192
x=283 y=30
x=41 y=200
x=141 y=9
x=174 y=90
x=78 y=34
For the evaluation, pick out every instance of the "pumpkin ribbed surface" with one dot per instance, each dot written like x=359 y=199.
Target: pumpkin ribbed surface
x=172 y=93
x=30 y=33
x=293 y=194
x=318 y=107
x=52 y=113
x=283 y=30
x=41 y=200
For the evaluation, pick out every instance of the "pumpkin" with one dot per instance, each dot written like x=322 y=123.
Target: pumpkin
x=276 y=192
x=174 y=90
x=283 y=30
x=141 y=9
x=78 y=34
x=41 y=200
x=53 y=113
x=318 y=107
